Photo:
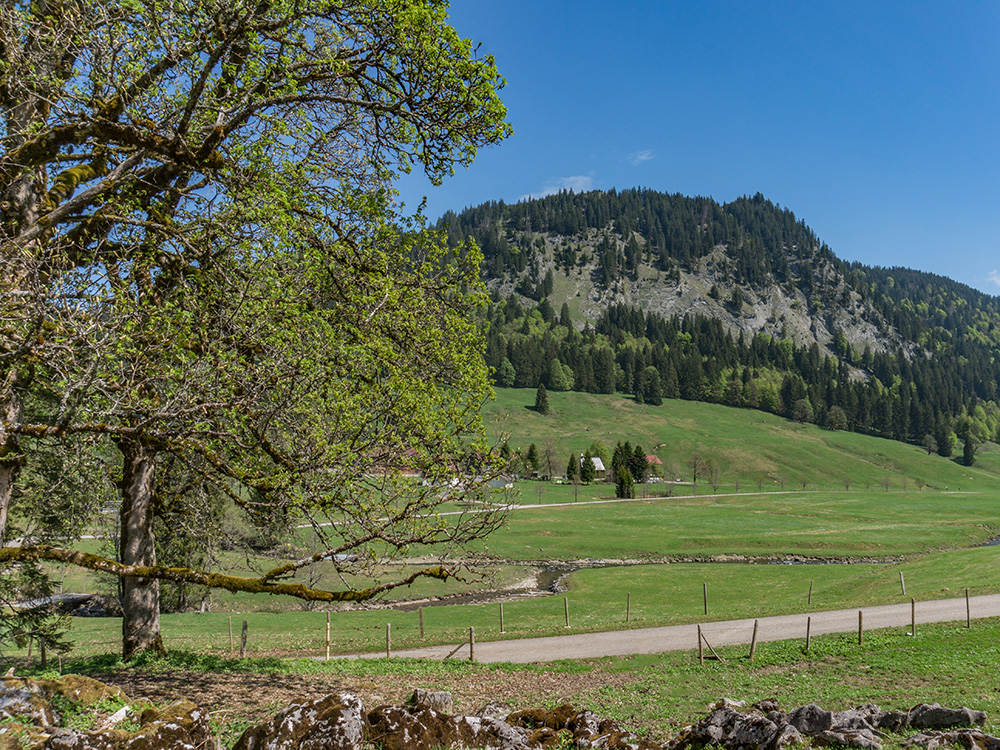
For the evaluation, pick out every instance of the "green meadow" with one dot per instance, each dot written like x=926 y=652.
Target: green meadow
x=868 y=515
x=787 y=491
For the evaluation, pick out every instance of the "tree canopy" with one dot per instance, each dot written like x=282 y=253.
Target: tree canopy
x=204 y=264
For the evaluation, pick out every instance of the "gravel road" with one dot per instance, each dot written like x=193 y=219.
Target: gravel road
x=725 y=633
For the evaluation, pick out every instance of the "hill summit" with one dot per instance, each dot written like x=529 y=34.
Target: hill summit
x=750 y=264
x=748 y=274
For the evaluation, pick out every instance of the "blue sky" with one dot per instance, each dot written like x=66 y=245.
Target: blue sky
x=878 y=123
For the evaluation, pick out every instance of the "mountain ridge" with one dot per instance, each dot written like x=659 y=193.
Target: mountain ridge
x=781 y=268
x=724 y=300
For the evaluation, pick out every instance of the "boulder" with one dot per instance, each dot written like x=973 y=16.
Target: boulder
x=733 y=727
x=23 y=705
x=30 y=699
x=861 y=717
x=179 y=726
x=493 y=710
x=439 y=701
x=536 y=718
x=966 y=738
x=810 y=719
x=398 y=728
x=738 y=730
x=935 y=716
x=893 y=721
x=862 y=738
x=334 y=722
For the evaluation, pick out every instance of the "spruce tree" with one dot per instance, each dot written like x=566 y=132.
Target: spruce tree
x=541 y=400
x=572 y=468
x=943 y=437
x=623 y=486
x=587 y=470
x=638 y=464
x=618 y=459
x=969 y=450
x=532 y=457
x=564 y=316
x=650 y=387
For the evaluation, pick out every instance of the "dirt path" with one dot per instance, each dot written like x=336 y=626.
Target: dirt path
x=725 y=633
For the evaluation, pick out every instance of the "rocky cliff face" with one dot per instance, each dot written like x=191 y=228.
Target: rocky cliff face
x=707 y=289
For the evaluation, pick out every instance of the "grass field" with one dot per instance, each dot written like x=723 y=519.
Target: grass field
x=786 y=490
x=659 y=594
x=881 y=516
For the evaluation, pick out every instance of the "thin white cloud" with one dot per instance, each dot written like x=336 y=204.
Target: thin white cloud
x=580 y=183
x=994 y=277
x=638 y=157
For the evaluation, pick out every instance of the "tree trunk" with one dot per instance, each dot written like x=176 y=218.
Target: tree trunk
x=140 y=596
x=10 y=449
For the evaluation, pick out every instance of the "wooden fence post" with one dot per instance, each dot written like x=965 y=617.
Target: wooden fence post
x=420 y=612
x=913 y=617
x=243 y=640
x=753 y=641
x=501 y=618
x=701 y=649
x=968 y=611
x=566 y=609
x=328 y=635
x=810 y=599
x=628 y=606
x=388 y=640
x=809 y=622
x=472 y=644
x=230 y=635
x=704 y=592
x=902 y=582
x=860 y=627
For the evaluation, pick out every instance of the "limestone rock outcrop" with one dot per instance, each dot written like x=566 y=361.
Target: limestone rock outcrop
x=30 y=719
x=34 y=723
x=733 y=726
x=334 y=722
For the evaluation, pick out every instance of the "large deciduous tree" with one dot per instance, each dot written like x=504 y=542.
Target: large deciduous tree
x=202 y=264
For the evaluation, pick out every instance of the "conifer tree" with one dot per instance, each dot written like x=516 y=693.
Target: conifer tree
x=565 y=319
x=650 y=387
x=587 y=469
x=623 y=486
x=532 y=457
x=969 y=450
x=541 y=399
x=638 y=464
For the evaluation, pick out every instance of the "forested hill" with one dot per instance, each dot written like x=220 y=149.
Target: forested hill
x=738 y=303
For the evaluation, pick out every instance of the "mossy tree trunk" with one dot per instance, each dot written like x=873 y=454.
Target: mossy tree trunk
x=11 y=459
x=140 y=596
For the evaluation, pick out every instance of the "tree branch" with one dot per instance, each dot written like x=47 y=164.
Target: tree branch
x=212 y=580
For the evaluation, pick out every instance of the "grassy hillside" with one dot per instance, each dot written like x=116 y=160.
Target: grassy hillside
x=749 y=446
